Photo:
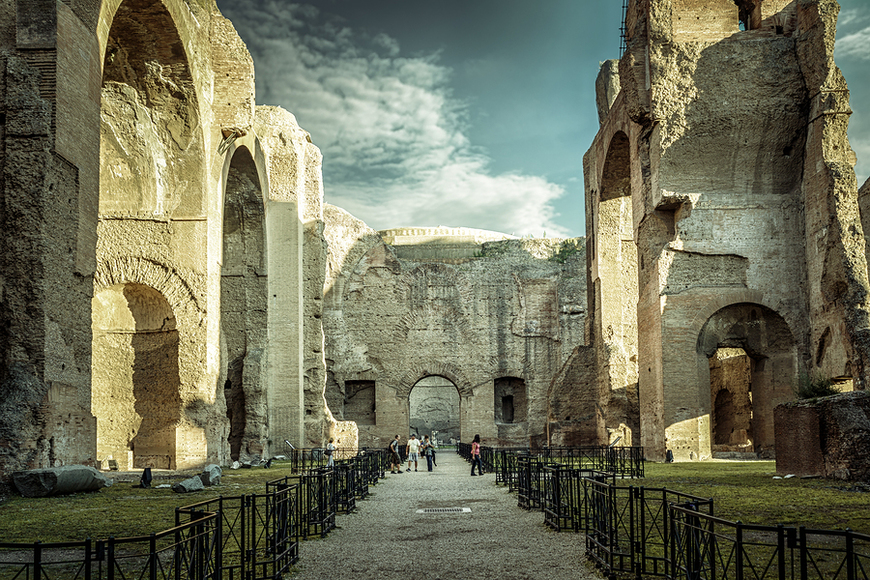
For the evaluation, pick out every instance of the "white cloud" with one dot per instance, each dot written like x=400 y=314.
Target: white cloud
x=847 y=16
x=854 y=45
x=393 y=137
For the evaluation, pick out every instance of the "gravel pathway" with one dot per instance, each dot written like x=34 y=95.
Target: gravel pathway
x=386 y=538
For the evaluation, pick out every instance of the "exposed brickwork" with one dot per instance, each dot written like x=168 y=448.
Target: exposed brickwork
x=828 y=436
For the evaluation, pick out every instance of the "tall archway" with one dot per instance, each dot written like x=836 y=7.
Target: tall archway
x=759 y=375
x=152 y=212
x=613 y=289
x=136 y=378
x=243 y=307
x=434 y=408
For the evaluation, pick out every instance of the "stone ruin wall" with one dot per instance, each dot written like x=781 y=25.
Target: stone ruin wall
x=718 y=148
x=504 y=319
x=155 y=209
x=136 y=243
x=828 y=437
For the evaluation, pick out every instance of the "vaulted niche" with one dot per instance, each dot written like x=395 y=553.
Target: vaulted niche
x=150 y=159
x=243 y=307
x=136 y=378
x=152 y=233
x=752 y=365
x=731 y=397
x=434 y=409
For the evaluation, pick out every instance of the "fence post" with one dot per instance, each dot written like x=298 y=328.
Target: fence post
x=850 y=555
x=739 y=551
x=780 y=543
x=219 y=546
x=88 y=558
x=802 y=546
x=252 y=549
x=37 y=560
x=632 y=529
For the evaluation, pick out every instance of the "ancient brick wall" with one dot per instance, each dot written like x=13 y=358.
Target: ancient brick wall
x=707 y=91
x=497 y=325
x=828 y=436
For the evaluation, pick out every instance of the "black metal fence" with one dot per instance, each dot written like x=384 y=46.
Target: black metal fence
x=625 y=462
x=246 y=537
x=705 y=547
x=655 y=532
x=187 y=551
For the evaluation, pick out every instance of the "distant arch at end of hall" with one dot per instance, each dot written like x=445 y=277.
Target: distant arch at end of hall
x=440 y=369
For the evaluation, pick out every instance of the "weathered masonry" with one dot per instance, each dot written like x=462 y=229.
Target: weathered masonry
x=173 y=291
x=725 y=245
x=152 y=267
x=447 y=331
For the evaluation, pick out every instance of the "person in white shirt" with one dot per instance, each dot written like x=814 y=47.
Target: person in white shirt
x=413 y=450
x=330 y=452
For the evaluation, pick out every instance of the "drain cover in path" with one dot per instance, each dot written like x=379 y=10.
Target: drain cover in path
x=450 y=510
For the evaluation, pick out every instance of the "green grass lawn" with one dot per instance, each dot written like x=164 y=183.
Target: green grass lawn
x=746 y=491
x=121 y=510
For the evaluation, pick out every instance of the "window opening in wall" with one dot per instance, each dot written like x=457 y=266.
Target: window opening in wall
x=748 y=15
x=510 y=400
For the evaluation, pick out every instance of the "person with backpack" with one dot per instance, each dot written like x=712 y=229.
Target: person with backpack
x=394 y=455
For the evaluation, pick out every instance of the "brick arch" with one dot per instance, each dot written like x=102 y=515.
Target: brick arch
x=179 y=12
x=440 y=369
x=500 y=367
x=186 y=304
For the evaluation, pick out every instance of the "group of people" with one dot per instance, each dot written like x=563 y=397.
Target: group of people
x=413 y=449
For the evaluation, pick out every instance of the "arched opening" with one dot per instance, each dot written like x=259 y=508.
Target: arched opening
x=434 y=405
x=615 y=288
x=150 y=136
x=731 y=395
x=752 y=362
x=136 y=380
x=243 y=308
x=152 y=216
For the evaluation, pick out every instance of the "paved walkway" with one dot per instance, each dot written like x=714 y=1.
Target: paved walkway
x=386 y=538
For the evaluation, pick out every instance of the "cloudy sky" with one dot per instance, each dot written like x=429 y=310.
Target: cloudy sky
x=469 y=113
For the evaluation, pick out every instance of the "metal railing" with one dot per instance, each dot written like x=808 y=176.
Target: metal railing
x=246 y=537
x=321 y=502
x=648 y=532
x=260 y=532
x=625 y=462
x=189 y=551
x=705 y=547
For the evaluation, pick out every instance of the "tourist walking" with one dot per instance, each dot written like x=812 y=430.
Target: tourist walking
x=413 y=451
x=475 y=456
x=428 y=449
x=330 y=452
x=395 y=459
